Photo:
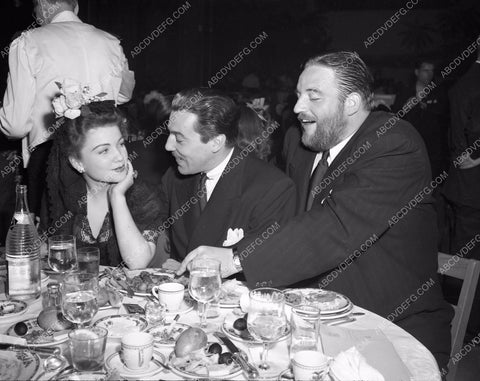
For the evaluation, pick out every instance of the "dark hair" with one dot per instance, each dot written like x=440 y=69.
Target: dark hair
x=94 y=115
x=351 y=73
x=72 y=3
x=216 y=113
x=420 y=62
x=251 y=132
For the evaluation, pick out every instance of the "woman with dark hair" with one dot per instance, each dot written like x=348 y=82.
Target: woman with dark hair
x=252 y=131
x=91 y=179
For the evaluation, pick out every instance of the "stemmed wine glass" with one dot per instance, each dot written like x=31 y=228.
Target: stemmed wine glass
x=79 y=297
x=266 y=322
x=62 y=255
x=204 y=286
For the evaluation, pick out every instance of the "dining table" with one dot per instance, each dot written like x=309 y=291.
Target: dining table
x=386 y=346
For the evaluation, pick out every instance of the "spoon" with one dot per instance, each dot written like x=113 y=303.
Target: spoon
x=53 y=362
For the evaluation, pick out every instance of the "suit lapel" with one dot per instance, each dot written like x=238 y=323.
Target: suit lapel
x=213 y=222
x=184 y=192
x=299 y=171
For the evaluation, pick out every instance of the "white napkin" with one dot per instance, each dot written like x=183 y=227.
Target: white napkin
x=351 y=365
x=12 y=340
x=233 y=236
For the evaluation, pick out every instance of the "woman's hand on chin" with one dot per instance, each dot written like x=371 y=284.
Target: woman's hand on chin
x=121 y=187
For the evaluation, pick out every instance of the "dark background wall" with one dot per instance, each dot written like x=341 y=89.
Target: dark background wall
x=211 y=32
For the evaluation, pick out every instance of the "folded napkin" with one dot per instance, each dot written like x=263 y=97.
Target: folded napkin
x=351 y=365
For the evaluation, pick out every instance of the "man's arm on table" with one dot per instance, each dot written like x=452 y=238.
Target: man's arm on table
x=387 y=177
x=15 y=115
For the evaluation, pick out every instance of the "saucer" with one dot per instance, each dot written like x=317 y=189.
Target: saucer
x=185 y=307
x=115 y=362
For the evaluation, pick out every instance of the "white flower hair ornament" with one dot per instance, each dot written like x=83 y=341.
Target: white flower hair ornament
x=73 y=96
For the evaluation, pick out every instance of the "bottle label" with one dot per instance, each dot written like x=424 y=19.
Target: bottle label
x=23 y=276
x=22 y=218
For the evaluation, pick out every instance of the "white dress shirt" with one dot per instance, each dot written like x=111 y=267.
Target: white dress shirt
x=214 y=175
x=64 y=48
x=334 y=151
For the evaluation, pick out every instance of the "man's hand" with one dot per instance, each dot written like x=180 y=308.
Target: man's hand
x=467 y=162
x=221 y=254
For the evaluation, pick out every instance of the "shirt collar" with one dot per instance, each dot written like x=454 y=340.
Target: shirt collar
x=216 y=172
x=65 y=16
x=335 y=150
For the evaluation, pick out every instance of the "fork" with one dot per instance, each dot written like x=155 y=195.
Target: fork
x=347 y=319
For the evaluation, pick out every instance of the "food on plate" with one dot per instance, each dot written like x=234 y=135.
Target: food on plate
x=231 y=292
x=165 y=335
x=143 y=282
x=240 y=324
x=225 y=358
x=108 y=295
x=102 y=298
x=190 y=340
x=215 y=348
x=20 y=329
x=293 y=298
x=52 y=319
x=204 y=361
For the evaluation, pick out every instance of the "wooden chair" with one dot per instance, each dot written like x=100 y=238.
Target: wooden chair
x=468 y=270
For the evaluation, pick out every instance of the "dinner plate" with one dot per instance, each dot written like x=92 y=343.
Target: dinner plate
x=114 y=361
x=329 y=302
x=230 y=293
x=216 y=371
x=82 y=376
x=18 y=365
x=246 y=337
x=40 y=336
x=160 y=334
x=19 y=307
x=120 y=325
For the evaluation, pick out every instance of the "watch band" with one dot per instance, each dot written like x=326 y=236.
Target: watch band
x=236 y=259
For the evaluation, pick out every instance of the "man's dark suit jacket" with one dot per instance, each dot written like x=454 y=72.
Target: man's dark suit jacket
x=251 y=194
x=376 y=178
x=463 y=185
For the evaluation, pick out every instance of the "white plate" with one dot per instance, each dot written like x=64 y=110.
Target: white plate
x=33 y=327
x=20 y=307
x=227 y=328
x=18 y=365
x=115 y=362
x=82 y=376
x=224 y=371
x=335 y=303
x=120 y=325
x=159 y=333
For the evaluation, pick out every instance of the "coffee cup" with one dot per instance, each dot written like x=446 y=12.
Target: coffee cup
x=171 y=294
x=137 y=350
x=309 y=365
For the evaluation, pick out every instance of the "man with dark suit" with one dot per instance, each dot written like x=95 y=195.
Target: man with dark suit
x=241 y=193
x=462 y=187
x=366 y=228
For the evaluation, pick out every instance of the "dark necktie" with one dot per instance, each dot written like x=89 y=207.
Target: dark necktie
x=316 y=179
x=202 y=191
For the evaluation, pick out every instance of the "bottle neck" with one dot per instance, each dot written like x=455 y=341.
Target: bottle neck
x=21 y=204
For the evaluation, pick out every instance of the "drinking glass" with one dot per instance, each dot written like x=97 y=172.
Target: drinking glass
x=267 y=322
x=87 y=348
x=305 y=324
x=79 y=297
x=62 y=255
x=204 y=286
x=88 y=259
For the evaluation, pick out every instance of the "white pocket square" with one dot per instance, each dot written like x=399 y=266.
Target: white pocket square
x=233 y=236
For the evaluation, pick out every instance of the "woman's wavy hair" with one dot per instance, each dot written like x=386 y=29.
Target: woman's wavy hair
x=72 y=135
x=252 y=131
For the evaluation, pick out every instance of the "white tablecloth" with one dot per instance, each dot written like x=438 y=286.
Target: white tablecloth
x=416 y=357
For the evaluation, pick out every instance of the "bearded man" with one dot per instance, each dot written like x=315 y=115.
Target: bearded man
x=365 y=223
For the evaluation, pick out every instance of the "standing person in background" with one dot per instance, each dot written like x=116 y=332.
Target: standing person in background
x=63 y=47
x=462 y=187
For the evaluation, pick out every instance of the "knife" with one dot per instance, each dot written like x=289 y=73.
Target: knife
x=48 y=350
x=250 y=370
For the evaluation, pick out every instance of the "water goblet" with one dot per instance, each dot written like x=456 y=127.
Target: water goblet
x=204 y=286
x=79 y=297
x=267 y=323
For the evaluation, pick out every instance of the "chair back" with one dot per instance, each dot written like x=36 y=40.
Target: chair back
x=467 y=270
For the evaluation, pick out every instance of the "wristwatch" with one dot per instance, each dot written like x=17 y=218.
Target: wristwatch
x=236 y=259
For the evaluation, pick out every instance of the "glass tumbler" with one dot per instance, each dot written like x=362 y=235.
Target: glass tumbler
x=305 y=325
